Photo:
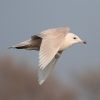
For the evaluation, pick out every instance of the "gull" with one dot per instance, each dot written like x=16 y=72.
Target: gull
x=50 y=44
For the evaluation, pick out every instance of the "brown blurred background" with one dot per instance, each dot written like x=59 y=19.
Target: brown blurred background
x=18 y=81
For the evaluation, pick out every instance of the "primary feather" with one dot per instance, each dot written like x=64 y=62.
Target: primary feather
x=43 y=73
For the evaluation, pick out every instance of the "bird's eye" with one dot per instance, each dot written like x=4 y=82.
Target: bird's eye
x=74 y=38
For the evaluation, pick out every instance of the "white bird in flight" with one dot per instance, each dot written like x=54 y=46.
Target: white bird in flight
x=50 y=44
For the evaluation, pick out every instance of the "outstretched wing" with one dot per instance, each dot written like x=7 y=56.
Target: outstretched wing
x=51 y=42
x=43 y=74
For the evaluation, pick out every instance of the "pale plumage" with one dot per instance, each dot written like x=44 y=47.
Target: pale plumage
x=50 y=44
x=43 y=73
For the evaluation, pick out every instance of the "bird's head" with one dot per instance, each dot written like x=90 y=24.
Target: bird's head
x=72 y=38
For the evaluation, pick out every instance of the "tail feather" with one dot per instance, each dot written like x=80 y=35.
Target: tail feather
x=17 y=47
x=31 y=44
x=23 y=45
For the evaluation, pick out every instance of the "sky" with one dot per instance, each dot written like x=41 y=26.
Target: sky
x=20 y=19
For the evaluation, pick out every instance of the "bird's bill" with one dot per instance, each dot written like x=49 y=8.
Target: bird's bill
x=84 y=42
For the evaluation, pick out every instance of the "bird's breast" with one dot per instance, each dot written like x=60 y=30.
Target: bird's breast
x=65 y=44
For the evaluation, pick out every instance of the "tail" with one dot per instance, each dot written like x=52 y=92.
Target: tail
x=31 y=44
x=23 y=45
x=43 y=74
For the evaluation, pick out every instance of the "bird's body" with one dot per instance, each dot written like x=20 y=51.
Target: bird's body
x=50 y=44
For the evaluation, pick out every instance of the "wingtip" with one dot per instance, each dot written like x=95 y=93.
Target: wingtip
x=40 y=82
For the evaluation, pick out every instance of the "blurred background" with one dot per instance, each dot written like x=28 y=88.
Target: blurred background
x=77 y=74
